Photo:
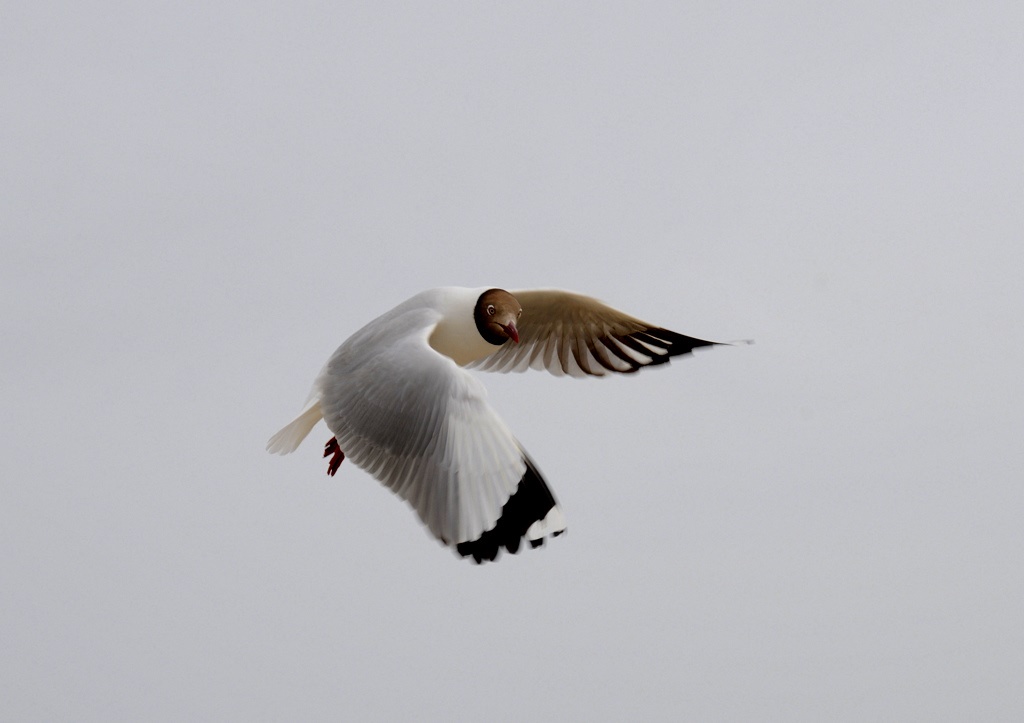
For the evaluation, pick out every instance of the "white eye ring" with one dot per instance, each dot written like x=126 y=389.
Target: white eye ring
x=490 y=309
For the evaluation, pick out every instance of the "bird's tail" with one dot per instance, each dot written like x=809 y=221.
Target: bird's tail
x=291 y=436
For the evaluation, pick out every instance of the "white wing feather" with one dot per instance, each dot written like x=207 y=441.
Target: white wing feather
x=421 y=425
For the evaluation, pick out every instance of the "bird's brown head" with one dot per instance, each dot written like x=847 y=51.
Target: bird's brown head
x=497 y=313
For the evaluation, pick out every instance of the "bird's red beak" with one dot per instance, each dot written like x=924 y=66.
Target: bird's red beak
x=512 y=331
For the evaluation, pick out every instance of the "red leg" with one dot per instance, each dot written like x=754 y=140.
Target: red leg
x=332 y=448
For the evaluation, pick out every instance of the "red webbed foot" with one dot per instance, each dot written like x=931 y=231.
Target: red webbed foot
x=332 y=448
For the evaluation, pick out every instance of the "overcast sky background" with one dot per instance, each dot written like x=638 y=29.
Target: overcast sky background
x=199 y=203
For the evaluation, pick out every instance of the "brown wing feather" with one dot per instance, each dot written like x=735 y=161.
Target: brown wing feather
x=568 y=333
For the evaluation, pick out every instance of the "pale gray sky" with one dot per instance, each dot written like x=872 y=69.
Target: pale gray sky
x=198 y=204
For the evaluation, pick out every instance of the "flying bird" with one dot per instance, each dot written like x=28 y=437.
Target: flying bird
x=402 y=406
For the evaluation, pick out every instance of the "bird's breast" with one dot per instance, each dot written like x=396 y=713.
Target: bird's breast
x=460 y=340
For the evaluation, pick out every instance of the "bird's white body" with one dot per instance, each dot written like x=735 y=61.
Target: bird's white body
x=401 y=407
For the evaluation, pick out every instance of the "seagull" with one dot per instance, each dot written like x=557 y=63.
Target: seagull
x=403 y=408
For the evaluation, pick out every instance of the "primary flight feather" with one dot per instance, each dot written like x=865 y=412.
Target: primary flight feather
x=403 y=408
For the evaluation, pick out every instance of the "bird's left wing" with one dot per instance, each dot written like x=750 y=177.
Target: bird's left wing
x=568 y=333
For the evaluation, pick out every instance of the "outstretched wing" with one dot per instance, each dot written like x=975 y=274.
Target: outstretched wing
x=422 y=426
x=567 y=333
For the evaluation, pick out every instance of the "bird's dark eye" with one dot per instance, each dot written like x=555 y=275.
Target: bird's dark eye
x=490 y=309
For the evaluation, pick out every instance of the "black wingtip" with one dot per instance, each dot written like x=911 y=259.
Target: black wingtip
x=676 y=344
x=530 y=503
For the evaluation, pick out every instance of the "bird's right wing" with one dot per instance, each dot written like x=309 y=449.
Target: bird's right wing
x=422 y=426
